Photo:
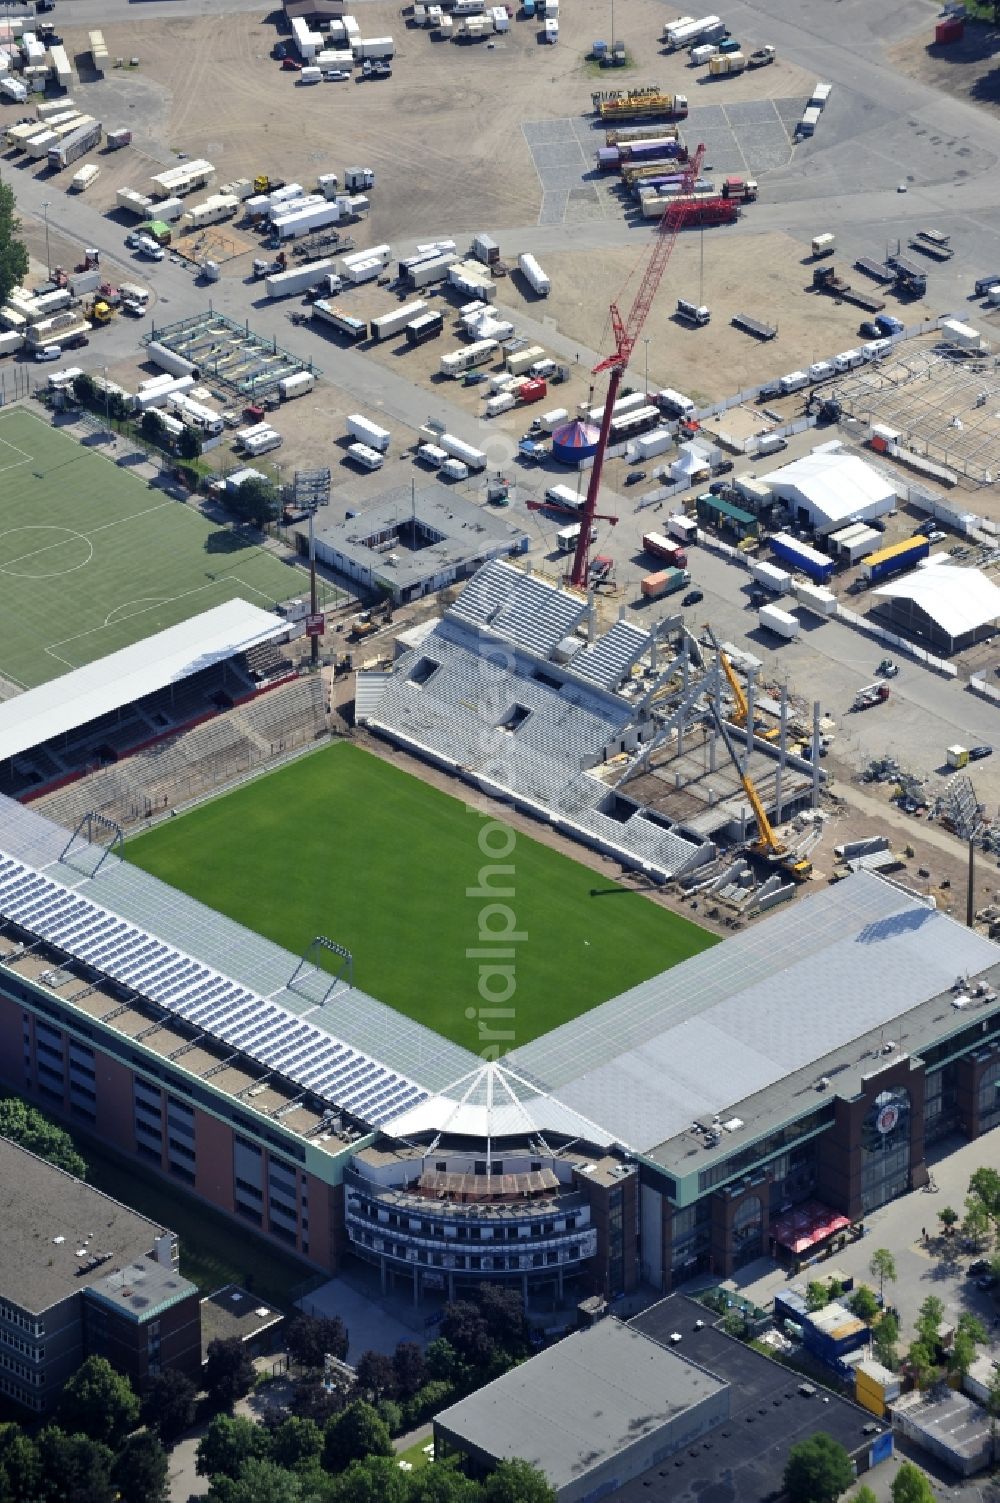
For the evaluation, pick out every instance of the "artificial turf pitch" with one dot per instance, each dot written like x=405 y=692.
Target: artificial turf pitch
x=93 y=559
x=342 y=844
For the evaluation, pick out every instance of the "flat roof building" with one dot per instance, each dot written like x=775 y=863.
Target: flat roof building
x=80 y=1275
x=591 y=1412
x=410 y=543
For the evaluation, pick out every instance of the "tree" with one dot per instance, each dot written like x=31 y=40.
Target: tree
x=256 y=501
x=410 y=1368
x=883 y=1268
x=984 y=1186
x=376 y=1376
x=296 y=1443
x=816 y=1295
x=928 y=1321
x=84 y=389
x=19 y=1465
x=442 y=1360
x=818 y=1470
x=313 y=1400
x=885 y=1336
x=229 y=1372
x=258 y=1482
x=228 y=1443
x=920 y=1359
x=969 y=1333
x=865 y=1495
x=169 y=1405
x=189 y=443
x=308 y=1338
x=948 y=1218
x=910 y=1485
x=73 y=1466
x=506 y=1323
x=864 y=1304
x=353 y=1435
x=439 y=1484
x=30 y=1129
x=151 y=426
x=99 y=1402
x=976 y=1223
x=518 y=1482
x=375 y=1480
x=140 y=1469
x=13 y=251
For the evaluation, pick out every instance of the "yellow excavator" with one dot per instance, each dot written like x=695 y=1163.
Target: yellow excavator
x=767 y=843
x=766 y=732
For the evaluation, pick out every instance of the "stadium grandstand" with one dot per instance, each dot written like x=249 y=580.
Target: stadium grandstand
x=505 y=692
x=161 y=720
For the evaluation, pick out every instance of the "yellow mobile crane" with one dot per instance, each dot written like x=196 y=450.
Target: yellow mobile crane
x=767 y=843
x=767 y=732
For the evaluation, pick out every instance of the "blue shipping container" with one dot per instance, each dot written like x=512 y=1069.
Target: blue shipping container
x=801 y=556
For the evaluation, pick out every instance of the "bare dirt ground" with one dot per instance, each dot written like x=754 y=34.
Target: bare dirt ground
x=208 y=87
x=764 y=276
x=967 y=69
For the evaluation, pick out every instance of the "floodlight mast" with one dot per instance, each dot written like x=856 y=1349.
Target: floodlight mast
x=626 y=333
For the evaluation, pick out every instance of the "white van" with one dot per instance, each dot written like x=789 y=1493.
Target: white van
x=793 y=382
x=146 y=246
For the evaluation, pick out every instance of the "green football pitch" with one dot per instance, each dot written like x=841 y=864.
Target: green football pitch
x=92 y=559
x=341 y=844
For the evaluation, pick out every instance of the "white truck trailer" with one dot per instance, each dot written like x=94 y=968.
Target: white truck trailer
x=534 y=275
x=297 y=279
x=367 y=432
x=396 y=321
x=778 y=621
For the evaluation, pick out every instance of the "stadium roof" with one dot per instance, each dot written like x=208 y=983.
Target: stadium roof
x=112 y=682
x=957 y=600
x=745 y=1015
x=576 y=1405
x=494 y=1102
x=840 y=486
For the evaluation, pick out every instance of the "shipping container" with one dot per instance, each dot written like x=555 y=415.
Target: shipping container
x=663 y=547
x=952 y=331
x=896 y=558
x=432 y=269
x=648 y=445
x=816 y=598
x=428 y=326
x=367 y=432
x=664 y=582
x=396 y=321
x=816 y=565
x=552 y=420
x=778 y=581
x=778 y=621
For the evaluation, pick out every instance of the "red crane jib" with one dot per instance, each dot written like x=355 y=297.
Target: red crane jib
x=626 y=331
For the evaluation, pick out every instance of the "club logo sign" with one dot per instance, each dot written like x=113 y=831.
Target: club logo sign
x=887 y=1118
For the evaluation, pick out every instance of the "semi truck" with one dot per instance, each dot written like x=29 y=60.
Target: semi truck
x=664 y=582
x=640 y=104
x=457 y=448
x=298 y=279
x=771 y=618
x=692 y=313
x=325 y=312
x=666 y=548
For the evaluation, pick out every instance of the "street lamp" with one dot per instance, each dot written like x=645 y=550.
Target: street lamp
x=645 y=389
x=48 y=259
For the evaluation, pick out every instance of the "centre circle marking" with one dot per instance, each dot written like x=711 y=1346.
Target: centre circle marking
x=68 y=534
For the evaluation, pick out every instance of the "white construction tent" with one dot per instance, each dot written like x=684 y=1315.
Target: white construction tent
x=946 y=607
x=828 y=490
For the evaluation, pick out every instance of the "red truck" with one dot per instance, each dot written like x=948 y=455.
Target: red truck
x=665 y=548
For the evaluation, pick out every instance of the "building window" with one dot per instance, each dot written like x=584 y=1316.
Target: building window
x=748 y=1231
x=989 y=1096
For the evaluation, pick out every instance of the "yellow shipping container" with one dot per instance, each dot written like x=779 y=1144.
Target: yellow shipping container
x=870 y=1401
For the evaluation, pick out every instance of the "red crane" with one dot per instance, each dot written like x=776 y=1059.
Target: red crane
x=626 y=334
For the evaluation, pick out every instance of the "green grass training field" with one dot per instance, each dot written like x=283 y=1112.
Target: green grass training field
x=92 y=559
x=339 y=843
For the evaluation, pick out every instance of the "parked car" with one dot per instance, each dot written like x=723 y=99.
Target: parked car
x=977 y=753
x=724 y=467
x=887 y=668
x=132 y=240
x=49 y=352
x=869 y=329
x=291 y=65
x=693 y=597
x=758 y=598
x=935 y=535
x=979 y=1267
x=279 y=51
x=634 y=476
x=335 y=75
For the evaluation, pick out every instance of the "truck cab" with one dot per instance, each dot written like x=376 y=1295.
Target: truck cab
x=888 y=325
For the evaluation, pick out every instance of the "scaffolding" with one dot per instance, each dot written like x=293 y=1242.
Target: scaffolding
x=229 y=353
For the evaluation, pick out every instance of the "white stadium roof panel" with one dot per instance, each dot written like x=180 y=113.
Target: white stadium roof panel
x=110 y=683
